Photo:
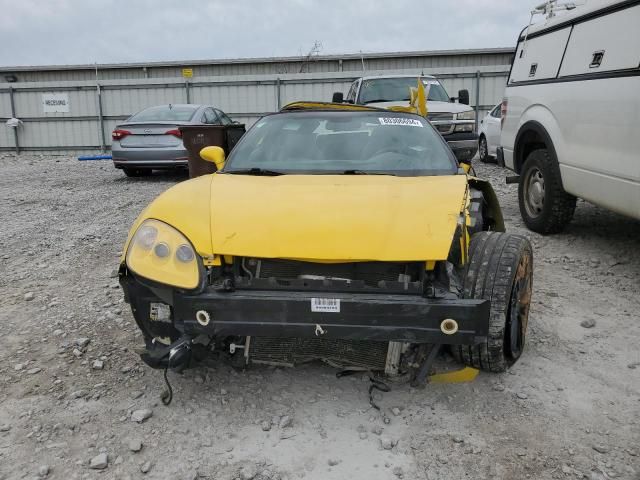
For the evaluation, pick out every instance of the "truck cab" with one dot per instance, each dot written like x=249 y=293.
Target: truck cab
x=455 y=121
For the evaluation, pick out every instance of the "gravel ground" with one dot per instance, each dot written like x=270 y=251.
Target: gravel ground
x=72 y=386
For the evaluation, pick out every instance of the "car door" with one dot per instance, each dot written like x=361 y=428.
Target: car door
x=492 y=127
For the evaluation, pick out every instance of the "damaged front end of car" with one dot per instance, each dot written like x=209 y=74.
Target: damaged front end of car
x=370 y=315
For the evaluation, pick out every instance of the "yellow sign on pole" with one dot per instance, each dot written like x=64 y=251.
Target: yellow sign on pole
x=187 y=72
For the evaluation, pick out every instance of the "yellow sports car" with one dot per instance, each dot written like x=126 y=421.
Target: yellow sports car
x=336 y=232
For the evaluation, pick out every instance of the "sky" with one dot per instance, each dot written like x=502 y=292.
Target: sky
x=59 y=32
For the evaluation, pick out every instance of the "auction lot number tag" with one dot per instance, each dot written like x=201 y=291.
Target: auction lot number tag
x=331 y=305
x=409 y=122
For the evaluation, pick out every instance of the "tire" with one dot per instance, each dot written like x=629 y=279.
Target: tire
x=500 y=270
x=483 y=149
x=136 y=172
x=544 y=205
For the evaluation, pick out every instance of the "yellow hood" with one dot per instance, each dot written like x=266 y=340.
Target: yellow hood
x=184 y=206
x=334 y=218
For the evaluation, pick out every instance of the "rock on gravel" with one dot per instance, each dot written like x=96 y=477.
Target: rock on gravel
x=141 y=415
x=285 y=422
x=588 y=323
x=99 y=462
x=387 y=443
x=598 y=447
x=43 y=471
x=29 y=296
x=97 y=365
x=248 y=472
x=135 y=445
x=82 y=342
x=145 y=467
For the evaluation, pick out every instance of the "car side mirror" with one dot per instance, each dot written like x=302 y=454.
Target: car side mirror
x=463 y=97
x=214 y=155
x=338 y=97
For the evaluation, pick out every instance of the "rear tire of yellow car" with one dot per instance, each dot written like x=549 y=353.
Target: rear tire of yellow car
x=499 y=270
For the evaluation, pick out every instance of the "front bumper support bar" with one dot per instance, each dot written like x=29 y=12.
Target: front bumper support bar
x=360 y=317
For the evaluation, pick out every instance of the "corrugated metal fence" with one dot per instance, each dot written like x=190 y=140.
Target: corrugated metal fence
x=96 y=107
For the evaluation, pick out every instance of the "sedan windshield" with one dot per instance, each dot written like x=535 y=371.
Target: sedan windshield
x=397 y=89
x=172 y=113
x=344 y=142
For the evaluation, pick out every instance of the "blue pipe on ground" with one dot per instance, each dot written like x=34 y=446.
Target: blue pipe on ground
x=83 y=158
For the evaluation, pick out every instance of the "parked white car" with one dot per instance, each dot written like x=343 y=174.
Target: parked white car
x=489 y=135
x=571 y=112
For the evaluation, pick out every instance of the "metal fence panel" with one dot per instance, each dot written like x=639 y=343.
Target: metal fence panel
x=29 y=103
x=245 y=98
x=60 y=134
x=127 y=101
x=321 y=92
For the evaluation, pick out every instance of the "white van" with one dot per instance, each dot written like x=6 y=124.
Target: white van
x=571 y=113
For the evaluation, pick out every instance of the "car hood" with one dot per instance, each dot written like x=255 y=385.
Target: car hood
x=334 y=218
x=432 y=106
x=185 y=207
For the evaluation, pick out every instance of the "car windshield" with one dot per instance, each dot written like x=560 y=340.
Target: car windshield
x=172 y=113
x=398 y=90
x=343 y=142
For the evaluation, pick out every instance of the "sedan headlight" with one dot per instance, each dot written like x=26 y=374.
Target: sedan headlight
x=161 y=253
x=470 y=115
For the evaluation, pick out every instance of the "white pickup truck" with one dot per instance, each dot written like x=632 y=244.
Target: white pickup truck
x=455 y=121
x=571 y=111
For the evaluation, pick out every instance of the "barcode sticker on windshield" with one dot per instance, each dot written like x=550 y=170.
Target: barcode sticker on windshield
x=409 y=122
x=325 y=305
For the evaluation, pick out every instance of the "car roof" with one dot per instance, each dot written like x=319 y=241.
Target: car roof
x=310 y=105
x=191 y=105
x=372 y=77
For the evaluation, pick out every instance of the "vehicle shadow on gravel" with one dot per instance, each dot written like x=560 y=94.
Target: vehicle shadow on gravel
x=156 y=176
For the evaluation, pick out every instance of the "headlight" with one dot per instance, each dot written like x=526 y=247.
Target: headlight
x=464 y=127
x=470 y=115
x=162 y=254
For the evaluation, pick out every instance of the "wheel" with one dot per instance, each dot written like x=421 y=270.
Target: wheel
x=483 y=149
x=544 y=206
x=136 y=172
x=500 y=269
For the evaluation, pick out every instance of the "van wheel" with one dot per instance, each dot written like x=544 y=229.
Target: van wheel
x=544 y=206
x=500 y=270
x=483 y=149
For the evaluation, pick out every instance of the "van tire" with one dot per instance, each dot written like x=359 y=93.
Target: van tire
x=544 y=205
x=500 y=270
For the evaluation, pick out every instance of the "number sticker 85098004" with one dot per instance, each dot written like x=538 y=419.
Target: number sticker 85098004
x=403 y=121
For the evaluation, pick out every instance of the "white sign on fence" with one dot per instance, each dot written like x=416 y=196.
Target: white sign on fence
x=55 y=102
